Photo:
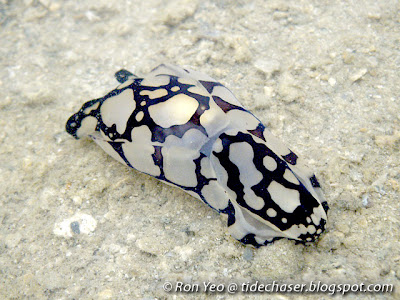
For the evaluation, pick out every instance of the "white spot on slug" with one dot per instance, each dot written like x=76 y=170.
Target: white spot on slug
x=226 y=95
x=289 y=176
x=154 y=94
x=118 y=109
x=205 y=168
x=269 y=163
x=179 y=155
x=139 y=116
x=88 y=126
x=215 y=195
x=218 y=147
x=287 y=199
x=214 y=120
x=275 y=144
x=175 y=88
x=271 y=212
x=139 y=151
x=175 y=111
x=242 y=119
x=241 y=154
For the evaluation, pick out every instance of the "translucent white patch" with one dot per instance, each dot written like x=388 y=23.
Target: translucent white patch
x=90 y=108
x=143 y=103
x=198 y=90
x=270 y=163
x=215 y=195
x=214 y=120
x=175 y=111
x=139 y=116
x=238 y=229
x=303 y=174
x=320 y=213
x=187 y=80
x=179 y=166
x=154 y=94
x=284 y=220
x=295 y=231
x=247 y=223
x=271 y=212
x=275 y=144
x=178 y=155
x=289 y=176
x=308 y=219
x=139 y=151
x=222 y=176
x=155 y=81
x=206 y=169
x=193 y=139
x=287 y=199
x=199 y=76
x=101 y=140
x=88 y=125
x=242 y=119
x=231 y=131
x=118 y=109
x=218 y=147
x=175 y=88
x=252 y=199
x=319 y=231
x=241 y=154
x=320 y=196
x=226 y=95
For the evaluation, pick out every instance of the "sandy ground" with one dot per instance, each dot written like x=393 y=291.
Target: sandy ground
x=75 y=224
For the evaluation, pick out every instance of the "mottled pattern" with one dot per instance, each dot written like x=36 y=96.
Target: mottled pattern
x=184 y=128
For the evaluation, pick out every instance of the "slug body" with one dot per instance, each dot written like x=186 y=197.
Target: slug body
x=188 y=130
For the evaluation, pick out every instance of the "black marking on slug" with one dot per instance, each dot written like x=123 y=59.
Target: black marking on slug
x=258 y=132
x=314 y=182
x=226 y=106
x=290 y=158
x=123 y=75
x=209 y=85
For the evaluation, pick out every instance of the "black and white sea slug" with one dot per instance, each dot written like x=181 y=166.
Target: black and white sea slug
x=188 y=130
